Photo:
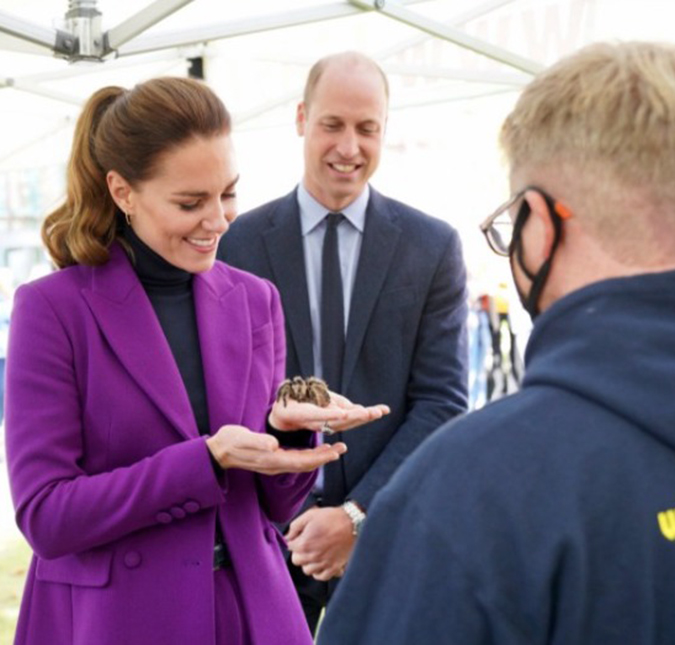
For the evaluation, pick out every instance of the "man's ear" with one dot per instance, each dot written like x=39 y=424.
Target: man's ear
x=539 y=227
x=120 y=190
x=301 y=119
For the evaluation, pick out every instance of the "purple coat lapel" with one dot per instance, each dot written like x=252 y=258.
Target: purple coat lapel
x=224 y=323
x=126 y=318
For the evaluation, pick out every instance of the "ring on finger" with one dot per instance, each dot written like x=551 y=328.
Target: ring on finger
x=326 y=429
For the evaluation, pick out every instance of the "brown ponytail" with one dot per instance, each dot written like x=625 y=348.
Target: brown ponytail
x=81 y=230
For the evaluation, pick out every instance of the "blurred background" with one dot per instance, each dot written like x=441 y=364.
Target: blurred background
x=455 y=68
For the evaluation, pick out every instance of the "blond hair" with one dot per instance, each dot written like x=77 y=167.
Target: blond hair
x=126 y=131
x=602 y=122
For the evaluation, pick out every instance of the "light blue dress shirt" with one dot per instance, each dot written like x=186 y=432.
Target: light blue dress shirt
x=350 y=237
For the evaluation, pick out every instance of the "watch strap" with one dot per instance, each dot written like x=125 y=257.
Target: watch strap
x=356 y=515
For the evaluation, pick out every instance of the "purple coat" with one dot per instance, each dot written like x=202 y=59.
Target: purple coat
x=112 y=483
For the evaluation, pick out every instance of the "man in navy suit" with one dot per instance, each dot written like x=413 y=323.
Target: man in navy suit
x=401 y=311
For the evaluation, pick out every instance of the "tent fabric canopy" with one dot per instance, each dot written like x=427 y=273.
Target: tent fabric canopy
x=455 y=69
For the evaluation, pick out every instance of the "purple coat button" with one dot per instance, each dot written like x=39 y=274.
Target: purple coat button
x=191 y=506
x=132 y=559
x=164 y=517
x=270 y=535
x=177 y=512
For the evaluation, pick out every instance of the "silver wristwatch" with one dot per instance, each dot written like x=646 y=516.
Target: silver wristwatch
x=356 y=515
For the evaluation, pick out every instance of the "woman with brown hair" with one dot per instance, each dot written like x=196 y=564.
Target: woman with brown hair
x=148 y=458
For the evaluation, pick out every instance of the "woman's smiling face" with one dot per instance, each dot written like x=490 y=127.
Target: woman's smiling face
x=187 y=205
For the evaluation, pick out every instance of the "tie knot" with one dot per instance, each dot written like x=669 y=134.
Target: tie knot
x=333 y=219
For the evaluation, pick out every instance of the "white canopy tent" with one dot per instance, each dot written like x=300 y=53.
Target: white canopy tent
x=455 y=68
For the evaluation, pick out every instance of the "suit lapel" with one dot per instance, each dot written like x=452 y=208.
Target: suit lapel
x=224 y=323
x=380 y=238
x=284 y=247
x=126 y=318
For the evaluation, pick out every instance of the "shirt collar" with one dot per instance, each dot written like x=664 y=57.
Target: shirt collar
x=312 y=212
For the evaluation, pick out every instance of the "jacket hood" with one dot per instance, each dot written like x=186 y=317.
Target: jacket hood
x=613 y=343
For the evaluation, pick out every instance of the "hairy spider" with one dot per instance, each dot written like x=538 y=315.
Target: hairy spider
x=309 y=390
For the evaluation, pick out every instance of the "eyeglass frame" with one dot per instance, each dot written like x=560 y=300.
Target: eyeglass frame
x=554 y=206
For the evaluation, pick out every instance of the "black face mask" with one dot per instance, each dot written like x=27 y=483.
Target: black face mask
x=530 y=301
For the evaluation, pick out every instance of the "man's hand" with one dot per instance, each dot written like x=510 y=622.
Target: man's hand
x=321 y=541
x=238 y=447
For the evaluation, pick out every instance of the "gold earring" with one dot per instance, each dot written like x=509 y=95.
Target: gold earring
x=127 y=217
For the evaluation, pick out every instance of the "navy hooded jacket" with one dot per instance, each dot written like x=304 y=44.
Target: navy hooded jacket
x=547 y=517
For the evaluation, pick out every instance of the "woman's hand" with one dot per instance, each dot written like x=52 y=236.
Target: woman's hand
x=339 y=415
x=238 y=447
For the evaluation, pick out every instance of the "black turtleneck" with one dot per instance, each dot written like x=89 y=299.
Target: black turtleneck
x=170 y=291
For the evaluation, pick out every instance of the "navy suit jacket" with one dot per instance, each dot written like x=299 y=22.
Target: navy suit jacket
x=406 y=340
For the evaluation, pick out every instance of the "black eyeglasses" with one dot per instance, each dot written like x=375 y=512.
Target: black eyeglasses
x=498 y=228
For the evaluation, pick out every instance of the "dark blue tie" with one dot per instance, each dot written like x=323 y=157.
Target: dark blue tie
x=332 y=306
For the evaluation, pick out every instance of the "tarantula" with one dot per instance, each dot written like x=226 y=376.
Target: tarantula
x=309 y=390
